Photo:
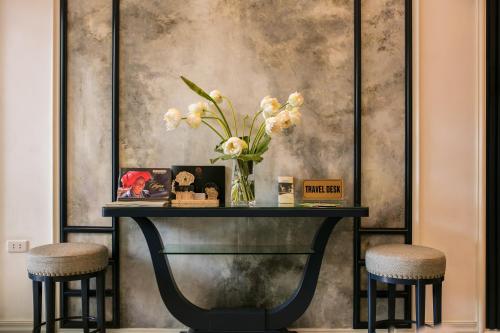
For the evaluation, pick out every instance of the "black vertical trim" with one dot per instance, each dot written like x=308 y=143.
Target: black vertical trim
x=492 y=165
x=408 y=138
x=357 y=164
x=63 y=134
x=408 y=117
x=357 y=102
x=116 y=157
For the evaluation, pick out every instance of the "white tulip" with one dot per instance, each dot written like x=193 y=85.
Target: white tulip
x=284 y=119
x=295 y=116
x=296 y=99
x=216 y=96
x=234 y=146
x=265 y=101
x=198 y=108
x=273 y=126
x=172 y=119
x=270 y=106
x=193 y=120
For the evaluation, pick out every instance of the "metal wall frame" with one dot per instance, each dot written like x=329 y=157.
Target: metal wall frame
x=359 y=232
x=492 y=164
x=65 y=230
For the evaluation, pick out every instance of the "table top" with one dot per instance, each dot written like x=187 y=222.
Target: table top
x=259 y=211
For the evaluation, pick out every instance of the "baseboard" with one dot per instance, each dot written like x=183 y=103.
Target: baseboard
x=448 y=327
x=15 y=326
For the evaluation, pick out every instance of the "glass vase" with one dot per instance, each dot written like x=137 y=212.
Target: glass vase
x=242 y=184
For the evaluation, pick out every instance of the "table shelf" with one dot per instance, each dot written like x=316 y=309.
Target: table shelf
x=260 y=211
x=231 y=249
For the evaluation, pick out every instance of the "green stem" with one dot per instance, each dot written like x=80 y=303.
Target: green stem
x=258 y=136
x=253 y=122
x=283 y=106
x=244 y=127
x=213 y=129
x=217 y=118
x=219 y=121
x=226 y=125
x=234 y=114
x=242 y=184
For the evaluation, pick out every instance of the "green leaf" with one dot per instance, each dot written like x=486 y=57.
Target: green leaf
x=263 y=145
x=219 y=148
x=197 y=89
x=251 y=157
x=203 y=94
x=243 y=157
x=245 y=138
x=227 y=157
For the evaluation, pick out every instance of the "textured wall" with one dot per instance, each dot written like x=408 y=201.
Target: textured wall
x=383 y=113
x=247 y=49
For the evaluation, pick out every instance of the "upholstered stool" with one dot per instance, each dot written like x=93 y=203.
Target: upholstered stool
x=62 y=263
x=407 y=265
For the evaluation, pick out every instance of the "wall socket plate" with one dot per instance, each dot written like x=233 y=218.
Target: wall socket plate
x=17 y=246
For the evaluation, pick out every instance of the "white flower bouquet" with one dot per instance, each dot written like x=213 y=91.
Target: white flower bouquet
x=243 y=141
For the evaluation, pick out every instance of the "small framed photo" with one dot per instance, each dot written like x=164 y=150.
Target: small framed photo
x=285 y=190
x=144 y=184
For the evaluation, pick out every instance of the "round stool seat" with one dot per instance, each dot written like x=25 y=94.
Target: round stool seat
x=403 y=261
x=65 y=259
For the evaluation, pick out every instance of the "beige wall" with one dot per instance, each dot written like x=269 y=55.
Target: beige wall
x=447 y=157
x=447 y=170
x=25 y=143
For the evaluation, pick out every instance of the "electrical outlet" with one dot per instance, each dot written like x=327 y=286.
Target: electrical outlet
x=16 y=246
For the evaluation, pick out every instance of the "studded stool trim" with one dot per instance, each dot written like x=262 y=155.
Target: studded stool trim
x=403 y=261
x=67 y=259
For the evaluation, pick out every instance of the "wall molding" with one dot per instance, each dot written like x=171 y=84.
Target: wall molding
x=481 y=164
x=25 y=327
x=480 y=192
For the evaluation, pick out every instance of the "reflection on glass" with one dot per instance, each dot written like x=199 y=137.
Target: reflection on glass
x=226 y=249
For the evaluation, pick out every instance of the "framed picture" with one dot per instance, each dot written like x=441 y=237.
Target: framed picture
x=285 y=190
x=144 y=184
x=207 y=179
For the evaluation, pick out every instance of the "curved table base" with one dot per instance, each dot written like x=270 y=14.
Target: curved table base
x=236 y=320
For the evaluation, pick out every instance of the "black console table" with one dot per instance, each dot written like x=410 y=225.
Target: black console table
x=236 y=320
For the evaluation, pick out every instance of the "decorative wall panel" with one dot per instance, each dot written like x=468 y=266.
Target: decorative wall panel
x=246 y=49
x=89 y=107
x=383 y=112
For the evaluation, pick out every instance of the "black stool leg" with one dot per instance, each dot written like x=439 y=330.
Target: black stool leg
x=101 y=312
x=50 y=295
x=420 y=303
x=436 y=301
x=85 y=305
x=37 y=306
x=391 y=302
x=372 y=304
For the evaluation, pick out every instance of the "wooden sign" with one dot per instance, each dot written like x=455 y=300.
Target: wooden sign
x=323 y=189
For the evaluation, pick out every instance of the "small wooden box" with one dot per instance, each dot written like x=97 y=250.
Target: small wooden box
x=195 y=203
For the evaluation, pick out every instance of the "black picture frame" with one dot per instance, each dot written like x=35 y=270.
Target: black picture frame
x=212 y=173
